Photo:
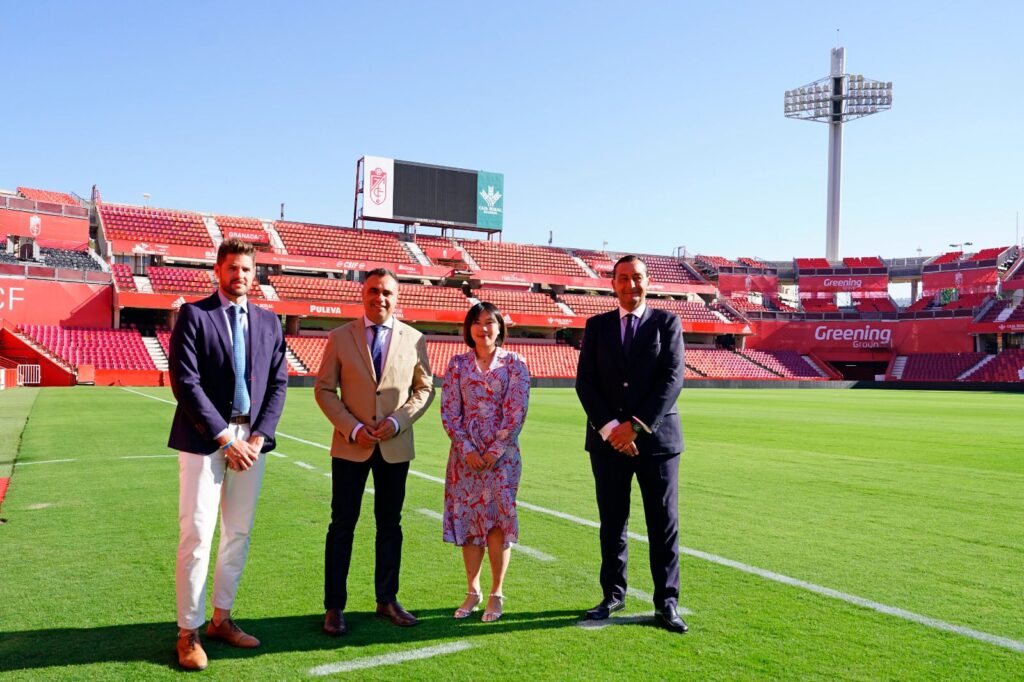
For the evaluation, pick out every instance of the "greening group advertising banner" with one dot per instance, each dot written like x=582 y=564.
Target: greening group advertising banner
x=490 y=205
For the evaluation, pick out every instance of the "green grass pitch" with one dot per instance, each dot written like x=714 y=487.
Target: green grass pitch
x=913 y=500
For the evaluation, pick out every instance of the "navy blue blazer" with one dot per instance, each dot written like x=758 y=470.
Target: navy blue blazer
x=203 y=375
x=645 y=385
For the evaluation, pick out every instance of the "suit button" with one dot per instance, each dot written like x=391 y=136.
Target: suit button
x=625 y=384
x=378 y=392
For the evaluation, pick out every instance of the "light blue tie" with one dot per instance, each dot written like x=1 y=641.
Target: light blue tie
x=241 y=401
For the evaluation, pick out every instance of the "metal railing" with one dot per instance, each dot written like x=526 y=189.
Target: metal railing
x=29 y=375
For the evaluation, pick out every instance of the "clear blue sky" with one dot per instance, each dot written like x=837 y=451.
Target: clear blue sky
x=646 y=125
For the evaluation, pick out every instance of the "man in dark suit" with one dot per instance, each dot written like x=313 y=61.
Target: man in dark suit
x=629 y=377
x=229 y=374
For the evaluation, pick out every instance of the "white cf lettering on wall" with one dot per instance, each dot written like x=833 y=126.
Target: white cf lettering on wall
x=10 y=296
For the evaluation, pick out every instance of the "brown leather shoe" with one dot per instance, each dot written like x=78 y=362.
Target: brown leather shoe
x=232 y=634
x=190 y=652
x=396 y=614
x=334 y=623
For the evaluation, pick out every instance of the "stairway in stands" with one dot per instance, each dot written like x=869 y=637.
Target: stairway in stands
x=898 y=367
x=214 y=229
x=296 y=365
x=156 y=351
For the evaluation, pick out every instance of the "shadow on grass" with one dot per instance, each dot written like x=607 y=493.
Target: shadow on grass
x=154 y=642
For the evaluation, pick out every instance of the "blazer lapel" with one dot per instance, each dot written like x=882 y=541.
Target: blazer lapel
x=220 y=323
x=252 y=347
x=397 y=338
x=615 y=329
x=359 y=338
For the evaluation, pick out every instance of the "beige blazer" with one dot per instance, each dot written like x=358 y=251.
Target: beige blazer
x=404 y=392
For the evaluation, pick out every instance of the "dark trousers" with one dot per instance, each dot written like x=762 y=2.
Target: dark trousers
x=658 y=477
x=348 y=481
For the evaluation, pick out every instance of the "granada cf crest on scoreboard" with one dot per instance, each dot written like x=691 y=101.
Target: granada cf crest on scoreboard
x=408 y=192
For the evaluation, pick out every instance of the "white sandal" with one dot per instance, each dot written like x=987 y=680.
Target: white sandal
x=463 y=612
x=491 y=616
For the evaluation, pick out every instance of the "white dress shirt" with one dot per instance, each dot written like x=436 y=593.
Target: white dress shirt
x=606 y=430
x=386 y=328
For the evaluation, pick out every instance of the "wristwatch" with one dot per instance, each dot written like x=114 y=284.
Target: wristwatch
x=637 y=429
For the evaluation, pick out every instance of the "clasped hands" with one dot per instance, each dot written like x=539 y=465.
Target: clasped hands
x=369 y=436
x=242 y=454
x=478 y=462
x=623 y=438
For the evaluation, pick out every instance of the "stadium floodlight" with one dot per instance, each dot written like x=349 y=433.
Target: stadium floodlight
x=961 y=245
x=836 y=99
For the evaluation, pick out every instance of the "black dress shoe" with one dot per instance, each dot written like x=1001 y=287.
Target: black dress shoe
x=603 y=610
x=396 y=614
x=334 y=623
x=670 y=620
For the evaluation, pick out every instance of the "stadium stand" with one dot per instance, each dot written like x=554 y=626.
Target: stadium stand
x=819 y=305
x=587 y=306
x=875 y=305
x=308 y=349
x=938 y=366
x=305 y=239
x=47 y=196
x=600 y=262
x=138 y=223
x=864 y=262
x=987 y=254
x=526 y=258
x=920 y=304
x=251 y=229
x=1000 y=311
x=686 y=310
x=545 y=360
x=441 y=250
x=525 y=303
x=71 y=260
x=948 y=257
x=7 y=257
x=123 y=276
x=723 y=364
x=1006 y=366
x=668 y=269
x=431 y=297
x=102 y=348
x=751 y=262
x=164 y=337
x=812 y=264
x=967 y=301
x=714 y=262
x=167 y=280
x=786 y=363
x=316 y=288
x=744 y=305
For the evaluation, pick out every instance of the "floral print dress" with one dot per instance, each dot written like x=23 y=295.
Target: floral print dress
x=483 y=411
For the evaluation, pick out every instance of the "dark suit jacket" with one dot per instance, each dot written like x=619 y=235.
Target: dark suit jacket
x=645 y=385
x=203 y=375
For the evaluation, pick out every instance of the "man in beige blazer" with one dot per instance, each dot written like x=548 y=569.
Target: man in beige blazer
x=380 y=365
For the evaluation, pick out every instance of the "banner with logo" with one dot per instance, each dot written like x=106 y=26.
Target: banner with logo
x=970 y=281
x=862 y=339
x=746 y=283
x=490 y=191
x=378 y=187
x=70 y=304
x=846 y=283
x=251 y=236
x=51 y=231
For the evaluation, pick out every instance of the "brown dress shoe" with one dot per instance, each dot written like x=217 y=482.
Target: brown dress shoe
x=232 y=634
x=396 y=614
x=334 y=623
x=190 y=652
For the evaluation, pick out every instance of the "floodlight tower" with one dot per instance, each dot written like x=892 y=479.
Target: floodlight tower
x=835 y=99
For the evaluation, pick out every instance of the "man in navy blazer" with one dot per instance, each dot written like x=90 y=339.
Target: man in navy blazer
x=629 y=377
x=229 y=374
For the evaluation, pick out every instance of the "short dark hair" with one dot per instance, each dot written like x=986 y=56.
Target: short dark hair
x=629 y=258
x=235 y=246
x=474 y=313
x=381 y=272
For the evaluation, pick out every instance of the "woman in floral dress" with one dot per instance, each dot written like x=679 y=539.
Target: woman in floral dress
x=483 y=407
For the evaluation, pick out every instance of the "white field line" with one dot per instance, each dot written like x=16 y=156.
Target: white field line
x=45 y=461
x=149 y=457
x=279 y=455
x=617 y=620
x=996 y=640
x=304 y=465
x=431 y=513
x=390 y=659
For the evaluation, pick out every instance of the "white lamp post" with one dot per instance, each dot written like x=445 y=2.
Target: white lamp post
x=835 y=99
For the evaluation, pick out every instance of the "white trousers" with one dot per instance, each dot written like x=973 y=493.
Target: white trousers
x=207 y=484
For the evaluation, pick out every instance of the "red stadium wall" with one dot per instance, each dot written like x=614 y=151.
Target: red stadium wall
x=13 y=348
x=58 y=232
x=967 y=281
x=70 y=304
x=862 y=340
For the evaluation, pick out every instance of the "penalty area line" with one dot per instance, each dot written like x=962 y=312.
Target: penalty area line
x=390 y=659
